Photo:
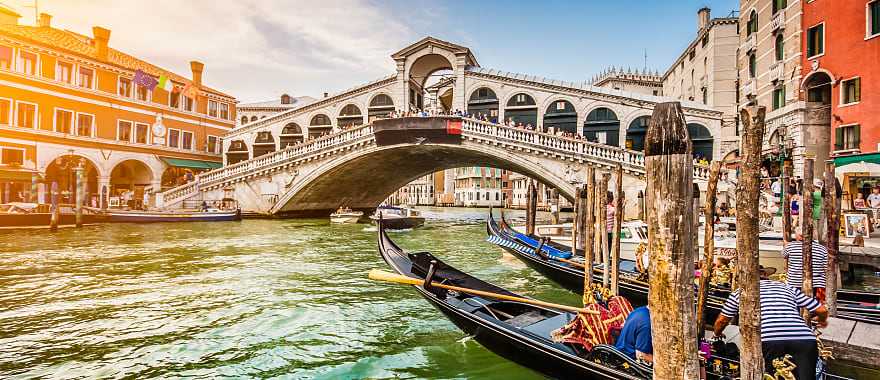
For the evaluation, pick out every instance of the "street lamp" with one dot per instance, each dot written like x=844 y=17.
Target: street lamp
x=781 y=151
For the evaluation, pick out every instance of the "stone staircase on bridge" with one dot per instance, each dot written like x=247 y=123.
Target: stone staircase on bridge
x=515 y=140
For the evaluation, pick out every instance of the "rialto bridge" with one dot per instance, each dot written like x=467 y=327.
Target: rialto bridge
x=322 y=155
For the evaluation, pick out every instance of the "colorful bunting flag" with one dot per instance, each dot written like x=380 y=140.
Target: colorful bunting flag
x=144 y=80
x=165 y=83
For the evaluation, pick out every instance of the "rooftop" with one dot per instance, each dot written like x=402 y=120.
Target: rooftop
x=85 y=46
x=295 y=102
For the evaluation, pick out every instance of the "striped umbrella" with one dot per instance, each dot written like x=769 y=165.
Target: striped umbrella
x=34 y=179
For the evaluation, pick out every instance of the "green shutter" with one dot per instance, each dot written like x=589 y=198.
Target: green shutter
x=858 y=90
x=838 y=139
x=856 y=137
x=875 y=17
x=820 y=36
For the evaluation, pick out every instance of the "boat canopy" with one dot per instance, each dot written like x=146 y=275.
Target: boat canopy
x=191 y=164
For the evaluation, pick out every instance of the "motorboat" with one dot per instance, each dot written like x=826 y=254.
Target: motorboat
x=345 y=215
x=398 y=218
x=207 y=214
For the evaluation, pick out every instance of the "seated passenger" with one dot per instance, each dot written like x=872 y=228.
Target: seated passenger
x=635 y=338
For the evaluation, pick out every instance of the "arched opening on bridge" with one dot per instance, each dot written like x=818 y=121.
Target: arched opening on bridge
x=422 y=75
x=561 y=116
x=483 y=103
x=61 y=170
x=350 y=116
x=635 y=133
x=128 y=180
x=244 y=119
x=444 y=101
x=253 y=118
x=522 y=109
x=702 y=139
x=319 y=126
x=818 y=86
x=237 y=152
x=291 y=134
x=602 y=126
x=264 y=143
x=380 y=107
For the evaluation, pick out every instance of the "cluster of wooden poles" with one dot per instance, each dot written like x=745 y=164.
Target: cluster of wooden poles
x=673 y=209
x=55 y=209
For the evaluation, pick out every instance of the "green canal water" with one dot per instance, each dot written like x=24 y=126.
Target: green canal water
x=250 y=299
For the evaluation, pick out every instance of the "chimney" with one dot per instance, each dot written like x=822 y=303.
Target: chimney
x=197 y=69
x=45 y=20
x=102 y=39
x=326 y=94
x=703 y=18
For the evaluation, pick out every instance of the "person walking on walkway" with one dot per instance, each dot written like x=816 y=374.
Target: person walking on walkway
x=783 y=330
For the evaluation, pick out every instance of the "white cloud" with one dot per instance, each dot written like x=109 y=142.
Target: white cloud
x=253 y=49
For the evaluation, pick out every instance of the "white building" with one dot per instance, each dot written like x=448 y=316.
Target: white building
x=478 y=187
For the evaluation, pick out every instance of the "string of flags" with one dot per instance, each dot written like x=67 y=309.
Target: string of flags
x=145 y=80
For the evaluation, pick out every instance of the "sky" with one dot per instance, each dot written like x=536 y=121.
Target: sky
x=258 y=49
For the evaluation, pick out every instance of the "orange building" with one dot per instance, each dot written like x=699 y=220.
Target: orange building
x=68 y=99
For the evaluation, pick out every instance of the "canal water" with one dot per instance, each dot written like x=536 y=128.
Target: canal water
x=257 y=298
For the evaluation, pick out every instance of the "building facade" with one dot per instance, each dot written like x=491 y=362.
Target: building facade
x=478 y=187
x=643 y=82
x=706 y=72
x=840 y=66
x=69 y=100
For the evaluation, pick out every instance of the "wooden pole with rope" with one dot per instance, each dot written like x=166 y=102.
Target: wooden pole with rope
x=832 y=240
x=618 y=224
x=708 y=244
x=807 y=229
x=601 y=230
x=575 y=220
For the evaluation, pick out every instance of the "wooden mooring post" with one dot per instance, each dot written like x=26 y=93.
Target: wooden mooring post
x=747 y=276
x=575 y=220
x=669 y=177
x=80 y=194
x=531 y=208
x=601 y=230
x=619 y=212
x=708 y=262
x=786 y=201
x=832 y=239
x=807 y=229
x=554 y=206
x=55 y=216
x=588 y=226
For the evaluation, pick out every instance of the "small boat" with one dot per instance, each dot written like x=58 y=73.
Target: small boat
x=345 y=216
x=209 y=214
x=852 y=304
x=18 y=215
x=519 y=331
x=398 y=218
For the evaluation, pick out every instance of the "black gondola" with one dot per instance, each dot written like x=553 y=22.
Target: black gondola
x=517 y=331
x=853 y=305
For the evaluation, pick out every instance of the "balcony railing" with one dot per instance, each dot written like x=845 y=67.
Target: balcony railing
x=750 y=43
x=778 y=21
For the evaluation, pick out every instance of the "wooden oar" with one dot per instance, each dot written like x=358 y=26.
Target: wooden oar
x=379 y=275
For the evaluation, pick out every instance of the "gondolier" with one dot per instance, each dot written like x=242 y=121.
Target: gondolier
x=783 y=331
x=794 y=256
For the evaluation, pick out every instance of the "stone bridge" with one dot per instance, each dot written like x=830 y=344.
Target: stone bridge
x=359 y=170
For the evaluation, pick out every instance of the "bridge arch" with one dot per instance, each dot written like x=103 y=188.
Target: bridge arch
x=602 y=125
x=635 y=133
x=520 y=107
x=702 y=139
x=379 y=105
x=560 y=114
x=353 y=178
x=237 y=152
x=419 y=67
x=349 y=115
x=264 y=143
x=291 y=134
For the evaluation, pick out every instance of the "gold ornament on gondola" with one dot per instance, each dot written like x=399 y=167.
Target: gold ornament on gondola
x=784 y=368
x=721 y=275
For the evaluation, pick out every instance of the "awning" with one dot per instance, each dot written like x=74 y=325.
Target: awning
x=18 y=175
x=873 y=158
x=191 y=164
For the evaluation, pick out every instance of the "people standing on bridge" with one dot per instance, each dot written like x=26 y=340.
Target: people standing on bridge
x=783 y=331
x=792 y=252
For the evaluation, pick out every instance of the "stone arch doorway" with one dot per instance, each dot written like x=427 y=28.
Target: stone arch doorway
x=350 y=116
x=702 y=140
x=561 y=116
x=264 y=143
x=818 y=88
x=602 y=126
x=128 y=182
x=237 y=152
x=291 y=134
x=635 y=133
x=381 y=106
x=817 y=129
x=319 y=125
x=483 y=103
x=62 y=171
x=521 y=109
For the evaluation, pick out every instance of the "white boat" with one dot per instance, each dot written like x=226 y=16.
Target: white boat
x=345 y=216
x=398 y=218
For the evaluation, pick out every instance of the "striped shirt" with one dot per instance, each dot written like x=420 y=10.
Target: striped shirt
x=780 y=319
x=793 y=252
x=609 y=218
